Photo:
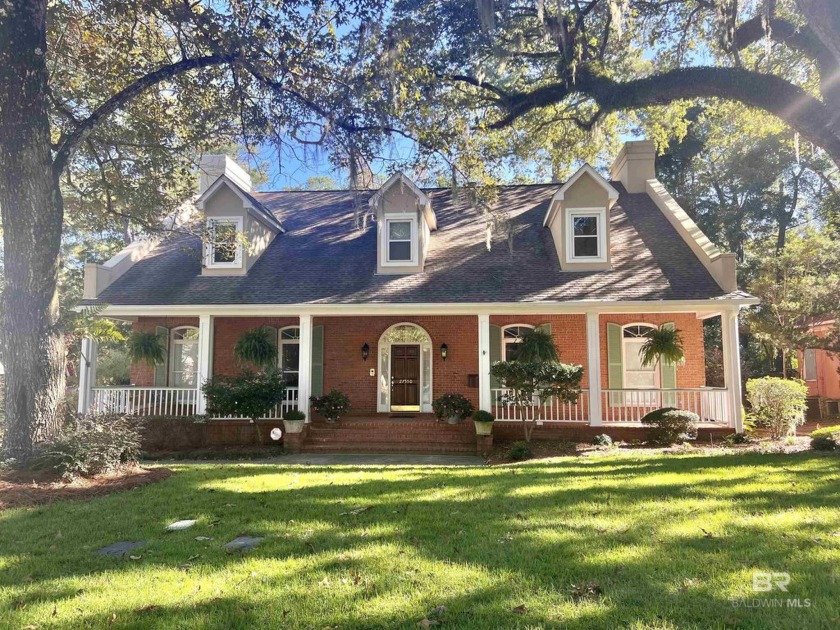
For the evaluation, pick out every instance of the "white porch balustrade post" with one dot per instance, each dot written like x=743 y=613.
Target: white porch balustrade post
x=593 y=368
x=305 y=365
x=732 y=368
x=205 y=360
x=87 y=373
x=485 y=400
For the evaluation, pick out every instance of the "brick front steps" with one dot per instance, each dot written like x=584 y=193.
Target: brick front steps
x=390 y=435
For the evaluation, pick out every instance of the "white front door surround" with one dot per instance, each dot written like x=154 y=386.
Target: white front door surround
x=398 y=334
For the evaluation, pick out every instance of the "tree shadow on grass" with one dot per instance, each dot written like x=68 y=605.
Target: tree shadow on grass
x=662 y=538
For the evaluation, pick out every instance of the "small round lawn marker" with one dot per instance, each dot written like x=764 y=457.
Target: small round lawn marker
x=276 y=433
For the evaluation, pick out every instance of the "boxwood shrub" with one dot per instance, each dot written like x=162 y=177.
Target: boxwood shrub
x=826 y=438
x=670 y=426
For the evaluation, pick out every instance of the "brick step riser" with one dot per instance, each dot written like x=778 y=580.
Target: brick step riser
x=385 y=448
x=395 y=439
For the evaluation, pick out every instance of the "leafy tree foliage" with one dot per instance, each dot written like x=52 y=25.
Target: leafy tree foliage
x=798 y=286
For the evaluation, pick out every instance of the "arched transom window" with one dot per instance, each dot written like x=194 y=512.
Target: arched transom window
x=183 y=356
x=636 y=375
x=511 y=338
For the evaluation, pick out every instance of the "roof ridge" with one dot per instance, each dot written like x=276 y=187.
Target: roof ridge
x=373 y=190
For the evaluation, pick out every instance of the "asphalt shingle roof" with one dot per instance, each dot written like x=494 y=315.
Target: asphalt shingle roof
x=322 y=258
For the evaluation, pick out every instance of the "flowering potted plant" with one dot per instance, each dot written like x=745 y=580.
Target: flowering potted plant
x=332 y=406
x=453 y=407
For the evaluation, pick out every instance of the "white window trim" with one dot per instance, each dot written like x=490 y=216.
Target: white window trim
x=173 y=345
x=281 y=342
x=415 y=245
x=601 y=215
x=657 y=376
x=810 y=378
x=209 y=262
x=506 y=342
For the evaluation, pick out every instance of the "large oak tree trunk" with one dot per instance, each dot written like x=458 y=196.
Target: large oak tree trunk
x=32 y=212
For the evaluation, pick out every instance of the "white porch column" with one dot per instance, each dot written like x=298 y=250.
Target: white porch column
x=485 y=401
x=205 y=360
x=593 y=368
x=305 y=365
x=732 y=367
x=87 y=373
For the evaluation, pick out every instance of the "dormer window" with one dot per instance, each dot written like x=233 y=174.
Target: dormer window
x=224 y=247
x=401 y=236
x=586 y=231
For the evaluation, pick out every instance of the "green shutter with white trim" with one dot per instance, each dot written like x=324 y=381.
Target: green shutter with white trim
x=495 y=352
x=162 y=369
x=668 y=376
x=615 y=365
x=317 y=382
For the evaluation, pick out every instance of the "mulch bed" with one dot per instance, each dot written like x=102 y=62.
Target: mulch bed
x=21 y=488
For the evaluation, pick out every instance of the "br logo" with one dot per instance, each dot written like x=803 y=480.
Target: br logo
x=765 y=582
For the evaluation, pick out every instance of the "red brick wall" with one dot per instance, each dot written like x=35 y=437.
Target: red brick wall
x=141 y=373
x=693 y=373
x=568 y=331
x=344 y=368
x=226 y=331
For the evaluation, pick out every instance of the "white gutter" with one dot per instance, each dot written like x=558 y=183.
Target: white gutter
x=495 y=308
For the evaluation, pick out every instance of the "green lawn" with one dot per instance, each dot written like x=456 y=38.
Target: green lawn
x=669 y=541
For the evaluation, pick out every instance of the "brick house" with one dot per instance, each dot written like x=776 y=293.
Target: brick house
x=399 y=295
x=820 y=369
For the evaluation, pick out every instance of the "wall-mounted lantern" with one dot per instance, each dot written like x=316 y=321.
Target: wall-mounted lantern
x=444 y=351
x=365 y=351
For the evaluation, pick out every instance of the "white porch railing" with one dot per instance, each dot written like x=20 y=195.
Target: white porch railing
x=623 y=406
x=552 y=410
x=628 y=406
x=144 y=401
x=290 y=401
x=166 y=401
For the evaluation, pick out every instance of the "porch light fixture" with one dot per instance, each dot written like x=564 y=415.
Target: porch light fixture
x=365 y=351
x=444 y=350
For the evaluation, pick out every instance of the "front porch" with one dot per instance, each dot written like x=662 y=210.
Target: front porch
x=397 y=365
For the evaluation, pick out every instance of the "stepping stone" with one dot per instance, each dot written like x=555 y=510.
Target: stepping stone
x=243 y=543
x=177 y=526
x=120 y=549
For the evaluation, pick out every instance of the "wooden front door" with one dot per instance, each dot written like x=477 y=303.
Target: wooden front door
x=405 y=378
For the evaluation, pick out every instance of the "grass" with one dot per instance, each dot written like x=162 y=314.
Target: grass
x=664 y=541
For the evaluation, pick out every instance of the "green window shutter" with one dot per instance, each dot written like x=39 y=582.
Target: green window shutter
x=317 y=383
x=668 y=376
x=162 y=369
x=495 y=352
x=546 y=328
x=615 y=365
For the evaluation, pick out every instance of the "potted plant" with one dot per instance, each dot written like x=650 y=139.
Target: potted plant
x=146 y=347
x=257 y=346
x=293 y=421
x=332 y=406
x=483 y=422
x=453 y=407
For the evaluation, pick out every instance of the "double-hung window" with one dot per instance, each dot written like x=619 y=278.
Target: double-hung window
x=587 y=232
x=401 y=241
x=809 y=364
x=290 y=355
x=224 y=246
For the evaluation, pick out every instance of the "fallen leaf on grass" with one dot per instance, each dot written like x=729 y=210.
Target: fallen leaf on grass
x=134 y=557
x=707 y=534
x=589 y=590
x=203 y=538
x=357 y=511
x=521 y=609
x=428 y=623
